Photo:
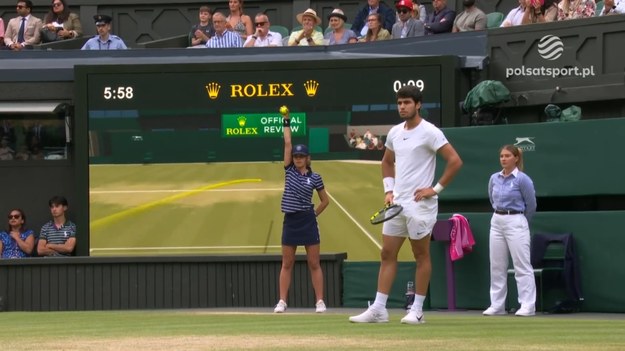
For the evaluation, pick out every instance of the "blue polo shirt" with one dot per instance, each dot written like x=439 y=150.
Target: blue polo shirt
x=298 y=189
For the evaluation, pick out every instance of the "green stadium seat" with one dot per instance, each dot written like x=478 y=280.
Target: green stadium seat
x=494 y=19
x=284 y=31
x=598 y=8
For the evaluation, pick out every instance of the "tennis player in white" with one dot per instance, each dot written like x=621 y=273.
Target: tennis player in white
x=408 y=168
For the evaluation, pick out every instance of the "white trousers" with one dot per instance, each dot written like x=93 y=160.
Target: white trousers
x=510 y=233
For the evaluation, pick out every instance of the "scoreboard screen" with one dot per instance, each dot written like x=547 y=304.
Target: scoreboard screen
x=155 y=111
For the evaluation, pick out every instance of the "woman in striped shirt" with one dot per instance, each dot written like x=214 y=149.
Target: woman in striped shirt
x=300 y=217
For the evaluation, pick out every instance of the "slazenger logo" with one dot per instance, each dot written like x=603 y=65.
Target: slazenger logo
x=525 y=143
x=550 y=47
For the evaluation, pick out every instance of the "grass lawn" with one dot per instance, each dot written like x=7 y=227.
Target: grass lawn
x=303 y=330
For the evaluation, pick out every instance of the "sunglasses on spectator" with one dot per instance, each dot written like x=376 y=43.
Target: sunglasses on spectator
x=260 y=24
x=57 y=4
x=15 y=216
x=403 y=10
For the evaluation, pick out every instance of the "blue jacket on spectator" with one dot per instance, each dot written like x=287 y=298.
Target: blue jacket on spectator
x=387 y=13
x=440 y=22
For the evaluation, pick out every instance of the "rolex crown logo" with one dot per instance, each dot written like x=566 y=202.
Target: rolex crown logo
x=213 y=90
x=311 y=87
x=241 y=120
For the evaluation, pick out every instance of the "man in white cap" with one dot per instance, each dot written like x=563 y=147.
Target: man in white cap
x=308 y=35
x=104 y=40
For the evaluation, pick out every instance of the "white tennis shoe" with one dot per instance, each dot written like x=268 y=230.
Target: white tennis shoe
x=280 y=307
x=526 y=311
x=371 y=315
x=320 y=307
x=413 y=317
x=492 y=311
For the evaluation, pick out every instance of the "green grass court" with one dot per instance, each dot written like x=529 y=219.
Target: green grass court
x=226 y=208
x=303 y=330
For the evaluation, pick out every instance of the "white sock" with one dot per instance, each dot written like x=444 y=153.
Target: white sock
x=380 y=301
x=417 y=305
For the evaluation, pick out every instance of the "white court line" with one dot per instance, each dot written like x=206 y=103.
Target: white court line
x=375 y=242
x=182 y=248
x=176 y=191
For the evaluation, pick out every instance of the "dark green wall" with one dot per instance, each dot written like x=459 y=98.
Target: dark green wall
x=599 y=242
x=563 y=159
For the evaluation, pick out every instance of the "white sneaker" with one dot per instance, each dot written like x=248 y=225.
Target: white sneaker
x=526 y=311
x=413 y=317
x=492 y=311
x=320 y=307
x=280 y=307
x=371 y=316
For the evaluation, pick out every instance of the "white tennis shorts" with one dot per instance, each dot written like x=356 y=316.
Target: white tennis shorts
x=416 y=221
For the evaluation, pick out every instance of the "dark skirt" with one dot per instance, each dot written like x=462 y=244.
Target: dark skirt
x=300 y=228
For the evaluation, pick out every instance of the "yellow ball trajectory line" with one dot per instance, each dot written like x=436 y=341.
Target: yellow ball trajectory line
x=147 y=206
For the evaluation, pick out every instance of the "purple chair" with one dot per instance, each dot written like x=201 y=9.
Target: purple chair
x=441 y=232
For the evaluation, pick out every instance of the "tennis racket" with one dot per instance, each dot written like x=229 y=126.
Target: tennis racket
x=387 y=212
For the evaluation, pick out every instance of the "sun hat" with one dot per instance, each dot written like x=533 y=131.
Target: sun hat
x=310 y=13
x=338 y=13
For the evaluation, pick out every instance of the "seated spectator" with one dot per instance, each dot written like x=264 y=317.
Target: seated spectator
x=36 y=153
x=406 y=26
x=7 y=130
x=441 y=20
x=239 y=22
x=201 y=32
x=223 y=37
x=611 y=7
x=575 y=9
x=373 y=6
x=418 y=11
x=538 y=12
x=515 y=16
x=104 y=40
x=22 y=153
x=30 y=33
x=58 y=236
x=6 y=152
x=308 y=35
x=375 y=31
x=1 y=32
x=263 y=36
x=472 y=18
x=339 y=35
x=17 y=241
x=59 y=23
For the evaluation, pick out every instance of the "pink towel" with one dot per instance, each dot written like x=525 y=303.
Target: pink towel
x=461 y=237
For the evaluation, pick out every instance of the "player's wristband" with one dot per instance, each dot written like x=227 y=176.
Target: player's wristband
x=389 y=184
x=438 y=188
x=286 y=122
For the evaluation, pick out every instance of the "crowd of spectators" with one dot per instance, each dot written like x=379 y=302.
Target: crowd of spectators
x=28 y=139
x=365 y=141
x=375 y=21
x=57 y=237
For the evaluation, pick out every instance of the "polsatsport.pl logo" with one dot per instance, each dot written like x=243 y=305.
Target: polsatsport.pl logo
x=551 y=48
